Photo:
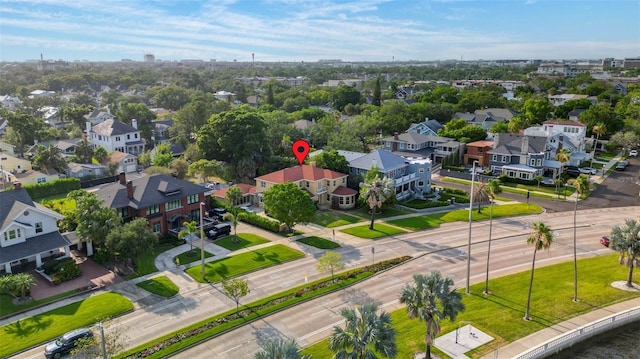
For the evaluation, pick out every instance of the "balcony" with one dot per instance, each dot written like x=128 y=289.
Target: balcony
x=404 y=179
x=321 y=190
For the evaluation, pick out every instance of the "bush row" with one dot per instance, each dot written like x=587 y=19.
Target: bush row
x=425 y=204
x=62 y=270
x=61 y=186
x=262 y=222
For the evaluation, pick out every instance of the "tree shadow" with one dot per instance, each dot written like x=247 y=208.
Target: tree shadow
x=357 y=297
x=267 y=334
x=28 y=326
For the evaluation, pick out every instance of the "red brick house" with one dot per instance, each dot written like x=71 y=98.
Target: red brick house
x=478 y=151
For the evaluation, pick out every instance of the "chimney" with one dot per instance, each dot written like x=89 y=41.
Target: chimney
x=134 y=123
x=130 y=190
x=17 y=185
x=394 y=144
x=122 y=178
x=525 y=144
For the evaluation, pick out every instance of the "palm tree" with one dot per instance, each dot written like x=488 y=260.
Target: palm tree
x=280 y=349
x=22 y=283
x=626 y=240
x=582 y=186
x=558 y=182
x=48 y=157
x=493 y=189
x=375 y=193
x=563 y=156
x=431 y=299
x=599 y=130
x=539 y=179
x=365 y=333
x=480 y=194
x=541 y=238
x=190 y=230
x=234 y=215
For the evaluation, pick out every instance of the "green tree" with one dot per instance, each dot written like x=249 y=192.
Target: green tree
x=537 y=110
x=234 y=195
x=172 y=97
x=582 y=185
x=140 y=112
x=189 y=231
x=493 y=189
x=624 y=140
x=192 y=116
x=375 y=192
x=25 y=130
x=204 y=169
x=330 y=262
x=500 y=127
x=332 y=160
x=131 y=239
x=95 y=221
x=598 y=130
x=563 y=156
x=602 y=115
x=540 y=238
x=234 y=215
x=17 y=285
x=100 y=154
x=431 y=299
x=115 y=341
x=162 y=155
x=365 y=334
x=626 y=240
x=289 y=204
x=481 y=194
x=517 y=123
x=49 y=157
x=179 y=167
x=345 y=95
x=280 y=349
x=83 y=151
x=376 y=93
x=539 y=179
x=235 y=289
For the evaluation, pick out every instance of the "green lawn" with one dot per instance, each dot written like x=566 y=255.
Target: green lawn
x=319 y=242
x=500 y=314
x=434 y=220
x=379 y=230
x=384 y=212
x=59 y=202
x=40 y=328
x=243 y=240
x=604 y=156
x=144 y=262
x=244 y=263
x=190 y=257
x=161 y=286
x=7 y=307
x=331 y=219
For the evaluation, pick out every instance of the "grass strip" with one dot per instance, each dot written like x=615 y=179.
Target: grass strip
x=40 y=328
x=500 y=314
x=331 y=219
x=145 y=262
x=162 y=286
x=190 y=257
x=319 y=242
x=434 y=220
x=7 y=307
x=379 y=230
x=244 y=263
x=242 y=240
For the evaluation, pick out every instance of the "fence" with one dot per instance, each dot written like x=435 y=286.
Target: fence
x=580 y=334
x=98 y=181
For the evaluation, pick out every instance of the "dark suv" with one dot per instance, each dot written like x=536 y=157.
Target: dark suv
x=66 y=343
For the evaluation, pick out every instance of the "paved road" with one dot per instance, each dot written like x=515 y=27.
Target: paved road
x=443 y=248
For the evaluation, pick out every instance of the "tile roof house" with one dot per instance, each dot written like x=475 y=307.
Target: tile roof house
x=478 y=151
x=248 y=194
x=28 y=231
x=114 y=135
x=165 y=201
x=411 y=177
x=519 y=156
x=326 y=187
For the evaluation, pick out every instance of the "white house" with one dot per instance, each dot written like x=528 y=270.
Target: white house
x=10 y=102
x=98 y=116
x=28 y=231
x=563 y=134
x=114 y=135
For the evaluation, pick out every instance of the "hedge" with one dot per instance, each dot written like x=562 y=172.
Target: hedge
x=262 y=222
x=61 y=186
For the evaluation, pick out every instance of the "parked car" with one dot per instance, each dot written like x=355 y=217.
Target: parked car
x=588 y=170
x=620 y=166
x=605 y=241
x=66 y=343
x=625 y=163
x=571 y=172
x=247 y=209
x=633 y=153
x=218 y=212
x=219 y=230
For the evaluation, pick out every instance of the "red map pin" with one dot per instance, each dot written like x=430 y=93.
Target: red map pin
x=300 y=149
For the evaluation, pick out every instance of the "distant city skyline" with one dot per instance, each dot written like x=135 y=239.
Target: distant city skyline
x=303 y=30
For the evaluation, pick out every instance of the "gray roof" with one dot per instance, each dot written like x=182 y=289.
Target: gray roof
x=500 y=114
x=13 y=201
x=39 y=244
x=113 y=127
x=147 y=191
x=509 y=143
x=384 y=160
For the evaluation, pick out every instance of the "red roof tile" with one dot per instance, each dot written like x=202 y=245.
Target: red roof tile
x=344 y=191
x=297 y=173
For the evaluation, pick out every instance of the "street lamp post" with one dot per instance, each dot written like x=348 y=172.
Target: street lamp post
x=202 y=238
x=473 y=178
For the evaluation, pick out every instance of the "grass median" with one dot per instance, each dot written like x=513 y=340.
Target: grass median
x=501 y=314
x=44 y=327
x=319 y=242
x=162 y=286
x=331 y=219
x=379 y=230
x=244 y=263
x=434 y=220
x=242 y=240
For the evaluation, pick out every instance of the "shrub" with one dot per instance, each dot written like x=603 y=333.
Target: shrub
x=61 y=186
x=262 y=222
x=455 y=191
x=62 y=270
x=453 y=168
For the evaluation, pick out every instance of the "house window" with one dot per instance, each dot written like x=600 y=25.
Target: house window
x=505 y=158
x=128 y=137
x=479 y=151
x=532 y=162
x=263 y=184
x=306 y=183
x=494 y=158
x=123 y=212
x=135 y=135
x=328 y=183
x=341 y=200
x=156 y=227
x=155 y=209
x=334 y=183
x=192 y=199
x=524 y=175
x=420 y=170
x=539 y=162
x=388 y=144
x=42 y=179
x=328 y=197
x=401 y=145
x=117 y=138
x=12 y=234
x=173 y=204
x=420 y=183
x=38 y=227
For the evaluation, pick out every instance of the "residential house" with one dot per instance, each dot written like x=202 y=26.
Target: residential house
x=31 y=177
x=326 y=187
x=427 y=127
x=85 y=170
x=411 y=177
x=126 y=162
x=28 y=231
x=561 y=99
x=565 y=134
x=161 y=130
x=11 y=165
x=4 y=124
x=486 y=118
x=478 y=151
x=574 y=115
x=10 y=102
x=519 y=156
x=98 y=116
x=67 y=147
x=166 y=202
x=248 y=194
x=418 y=145
x=114 y=135
x=224 y=96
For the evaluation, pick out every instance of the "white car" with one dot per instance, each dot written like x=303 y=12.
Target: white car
x=247 y=209
x=633 y=153
x=588 y=170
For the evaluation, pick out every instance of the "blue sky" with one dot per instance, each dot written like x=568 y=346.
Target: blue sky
x=309 y=30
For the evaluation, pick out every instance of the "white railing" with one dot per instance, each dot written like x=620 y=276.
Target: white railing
x=404 y=179
x=580 y=334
